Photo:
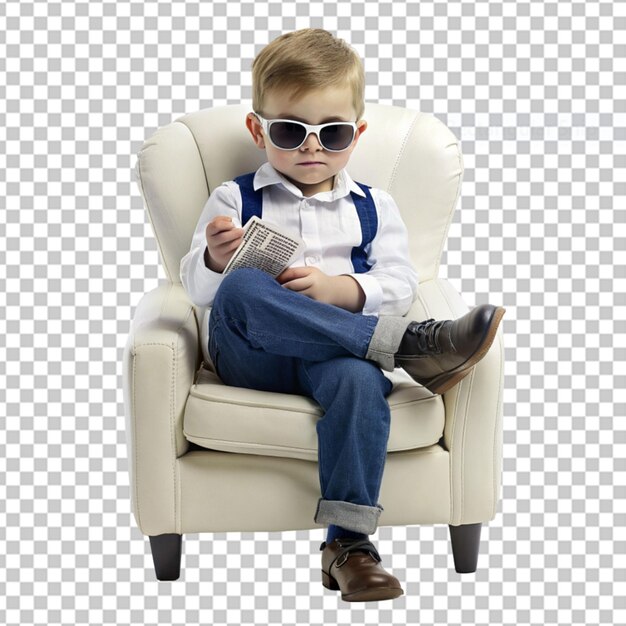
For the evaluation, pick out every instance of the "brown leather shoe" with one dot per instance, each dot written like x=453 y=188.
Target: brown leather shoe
x=353 y=565
x=439 y=353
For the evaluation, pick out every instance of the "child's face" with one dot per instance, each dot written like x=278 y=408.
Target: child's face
x=314 y=108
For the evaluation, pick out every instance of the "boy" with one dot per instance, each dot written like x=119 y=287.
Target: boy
x=330 y=324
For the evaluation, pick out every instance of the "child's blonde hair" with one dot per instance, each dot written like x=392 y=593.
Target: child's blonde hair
x=306 y=60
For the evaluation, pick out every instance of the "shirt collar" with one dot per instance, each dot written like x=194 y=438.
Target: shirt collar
x=267 y=174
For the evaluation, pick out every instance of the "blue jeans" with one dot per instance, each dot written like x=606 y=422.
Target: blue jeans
x=265 y=336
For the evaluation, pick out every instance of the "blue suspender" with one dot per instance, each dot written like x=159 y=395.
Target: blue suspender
x=252 y=200
x=369 y=225
x=253 y=205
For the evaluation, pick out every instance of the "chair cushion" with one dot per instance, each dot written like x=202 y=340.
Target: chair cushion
x=250 y=421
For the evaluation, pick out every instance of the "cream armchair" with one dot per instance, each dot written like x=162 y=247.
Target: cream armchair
x=207 y=457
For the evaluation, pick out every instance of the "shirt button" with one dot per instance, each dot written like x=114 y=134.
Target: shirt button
x=311 y=259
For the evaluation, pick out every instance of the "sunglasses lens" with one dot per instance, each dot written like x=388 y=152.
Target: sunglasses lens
x=289 y=135
x=337 y=136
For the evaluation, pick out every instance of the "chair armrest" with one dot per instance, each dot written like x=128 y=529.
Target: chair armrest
x=473 y=414
x=161 y=357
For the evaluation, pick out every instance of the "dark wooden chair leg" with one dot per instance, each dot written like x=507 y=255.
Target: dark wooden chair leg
x=465 y=541
x=166 y=552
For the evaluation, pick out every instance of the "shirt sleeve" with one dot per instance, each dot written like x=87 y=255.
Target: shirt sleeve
x=391 y=284
x=200 y=282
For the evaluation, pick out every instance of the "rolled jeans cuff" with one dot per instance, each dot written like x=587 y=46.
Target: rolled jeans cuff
x=386 y=340
x=357 y=517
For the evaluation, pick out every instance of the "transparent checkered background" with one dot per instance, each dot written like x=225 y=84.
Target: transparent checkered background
x=536 y=93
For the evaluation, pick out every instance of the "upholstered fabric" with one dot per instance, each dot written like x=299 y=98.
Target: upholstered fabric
x=278 y=424
x=207 y=457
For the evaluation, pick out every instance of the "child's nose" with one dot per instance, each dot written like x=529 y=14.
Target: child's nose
x=312 y=141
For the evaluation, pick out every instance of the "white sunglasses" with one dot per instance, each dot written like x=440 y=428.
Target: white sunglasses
x=291 y=134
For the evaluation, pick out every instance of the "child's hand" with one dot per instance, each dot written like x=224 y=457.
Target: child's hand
x=310 y=281
x=222 y=239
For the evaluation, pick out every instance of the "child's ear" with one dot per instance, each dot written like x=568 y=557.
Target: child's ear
x=361 y=126
x=254 y=126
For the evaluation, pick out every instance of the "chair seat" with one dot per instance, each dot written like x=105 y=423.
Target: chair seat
x=250 y=421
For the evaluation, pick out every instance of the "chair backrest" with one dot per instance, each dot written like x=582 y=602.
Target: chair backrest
x=411 y=155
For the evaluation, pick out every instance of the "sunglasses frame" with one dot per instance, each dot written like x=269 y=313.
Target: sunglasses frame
x=309 y=128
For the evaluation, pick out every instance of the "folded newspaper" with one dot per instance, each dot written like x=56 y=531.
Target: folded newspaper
x=266 y=247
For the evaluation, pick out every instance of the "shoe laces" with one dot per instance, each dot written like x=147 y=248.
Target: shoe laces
x=352 y=545
x=427 y=334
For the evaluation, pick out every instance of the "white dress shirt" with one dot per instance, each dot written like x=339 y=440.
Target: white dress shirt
x=329 y=225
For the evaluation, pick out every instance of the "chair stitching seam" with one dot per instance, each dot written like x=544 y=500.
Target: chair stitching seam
x=453 y=455
x=173 y=434
x=456 y=198
x=470 y=379
x=453 y=414
x=248 y=443
x=421 y=448
x=134 y=421
x=180 y=121
x=495 y=434
x=254 y=405
x=149 y=210
x=401 y=150
x=171 y=423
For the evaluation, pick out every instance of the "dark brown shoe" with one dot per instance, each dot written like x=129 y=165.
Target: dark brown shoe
x=439 y=353
x=353 y=566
